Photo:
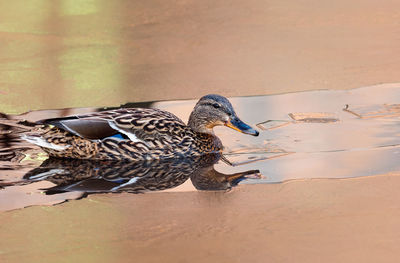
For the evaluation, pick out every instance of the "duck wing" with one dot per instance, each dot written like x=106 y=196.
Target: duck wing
x=93 y=129
x=135 y=123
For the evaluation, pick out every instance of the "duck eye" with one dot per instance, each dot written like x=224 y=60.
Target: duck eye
x=216 y=105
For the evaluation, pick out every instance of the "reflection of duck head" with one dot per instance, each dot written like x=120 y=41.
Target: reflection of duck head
x=207 y=178
x=135 y=177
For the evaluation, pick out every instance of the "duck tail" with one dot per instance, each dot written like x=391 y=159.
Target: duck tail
x=40 y=141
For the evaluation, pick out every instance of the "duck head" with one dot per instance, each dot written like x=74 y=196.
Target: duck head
x=213 y=110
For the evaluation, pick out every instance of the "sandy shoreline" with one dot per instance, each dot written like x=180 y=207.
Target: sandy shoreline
x=348 y=220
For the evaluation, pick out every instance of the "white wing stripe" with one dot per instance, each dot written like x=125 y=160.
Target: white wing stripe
x=43 y=143
x=44 y=175
x=131 y=181
x=131 y=136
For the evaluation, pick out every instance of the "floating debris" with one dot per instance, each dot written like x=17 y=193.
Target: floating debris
x=313 y=117
x=272 y=124
x=374 y=111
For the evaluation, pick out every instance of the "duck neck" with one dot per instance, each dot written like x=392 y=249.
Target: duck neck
x=204 y=134
x=199 y=125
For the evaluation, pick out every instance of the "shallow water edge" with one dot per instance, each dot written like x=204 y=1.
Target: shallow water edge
x=315 y=134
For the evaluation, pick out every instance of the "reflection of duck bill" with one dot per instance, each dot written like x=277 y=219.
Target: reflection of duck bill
x=211 y=180
x=238 y=125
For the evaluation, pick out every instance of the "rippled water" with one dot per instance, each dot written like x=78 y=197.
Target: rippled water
x=318 y=134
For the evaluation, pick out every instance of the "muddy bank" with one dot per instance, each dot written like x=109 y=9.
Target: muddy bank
x=304 y=221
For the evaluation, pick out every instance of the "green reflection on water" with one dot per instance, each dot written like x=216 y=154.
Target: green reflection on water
x=97 y=72
x=80 y=7
x=69 y=64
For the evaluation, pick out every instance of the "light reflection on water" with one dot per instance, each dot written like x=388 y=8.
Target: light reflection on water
x=319 y=140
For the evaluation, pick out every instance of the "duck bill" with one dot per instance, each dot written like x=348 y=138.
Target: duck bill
x=240 y=126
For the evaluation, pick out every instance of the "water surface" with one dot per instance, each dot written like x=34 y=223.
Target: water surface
x=102 y=53
x=315 y=134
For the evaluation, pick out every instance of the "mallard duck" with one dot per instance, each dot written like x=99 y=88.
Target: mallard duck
x=137 y=133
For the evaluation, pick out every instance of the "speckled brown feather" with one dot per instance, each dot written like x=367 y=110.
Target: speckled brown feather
x=139 y=134
x=163 y=134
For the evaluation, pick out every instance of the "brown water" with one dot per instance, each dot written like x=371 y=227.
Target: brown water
x=62 y=54
x=315 y=134
x=94 y=53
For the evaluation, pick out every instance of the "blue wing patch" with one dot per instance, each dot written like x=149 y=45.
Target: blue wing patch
x=118 y=136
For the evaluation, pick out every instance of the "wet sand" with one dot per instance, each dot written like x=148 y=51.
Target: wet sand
x=347 y=220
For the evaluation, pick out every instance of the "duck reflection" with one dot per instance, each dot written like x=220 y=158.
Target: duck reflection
x=134 y=177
